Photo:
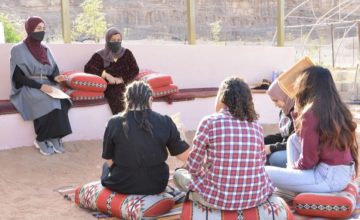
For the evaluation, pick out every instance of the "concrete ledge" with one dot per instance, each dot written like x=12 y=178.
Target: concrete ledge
x=190 y=66
x=88 y=123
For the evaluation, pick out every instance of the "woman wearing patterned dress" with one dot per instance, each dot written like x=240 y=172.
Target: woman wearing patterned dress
x=116 y=65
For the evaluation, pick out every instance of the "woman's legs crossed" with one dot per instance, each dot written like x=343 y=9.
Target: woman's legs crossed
x=278 y=159
x=297 y=180
x=182 y=178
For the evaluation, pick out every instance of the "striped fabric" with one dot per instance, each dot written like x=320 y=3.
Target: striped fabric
x=273 y=208
x=95 y=197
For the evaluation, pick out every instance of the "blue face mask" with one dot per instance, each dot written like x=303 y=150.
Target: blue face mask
x=39 y=36
x=114 y=46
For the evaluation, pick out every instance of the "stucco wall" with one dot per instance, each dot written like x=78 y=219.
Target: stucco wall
x=190 y=67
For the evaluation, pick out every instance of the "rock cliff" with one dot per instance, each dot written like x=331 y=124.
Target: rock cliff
x=166 y=19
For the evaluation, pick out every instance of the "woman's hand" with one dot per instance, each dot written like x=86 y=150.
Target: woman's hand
x=60 y=78
x=267 y=149
x=46 y=88
x=110 y=78
x=290 y=166
x=109 y=162
x=113 y=80
x=118 y=80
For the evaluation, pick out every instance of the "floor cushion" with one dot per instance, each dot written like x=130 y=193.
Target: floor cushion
x=275 y=208
x=334 y=205
x=85 y=81
x=95 y=197
x=165 y=91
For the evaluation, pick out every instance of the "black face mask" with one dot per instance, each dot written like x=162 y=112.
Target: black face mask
x=114 y=46
x=39 y=36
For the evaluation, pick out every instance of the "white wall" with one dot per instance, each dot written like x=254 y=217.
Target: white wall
x=2 y=33
x=190 y=67
x=88 y=123
x=206 y=66
x=193 y=111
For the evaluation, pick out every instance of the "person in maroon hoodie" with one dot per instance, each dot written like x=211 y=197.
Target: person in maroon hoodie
x=322 y=156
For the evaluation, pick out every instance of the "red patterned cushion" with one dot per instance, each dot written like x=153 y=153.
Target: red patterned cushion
x=157 y=80
x=85 y=81
x=79 y=95
x=165 y=91
x=95 y=197
x=275 y=206
x=154 y=79
x=334 y=205
x=68 y=73
x=144 y=72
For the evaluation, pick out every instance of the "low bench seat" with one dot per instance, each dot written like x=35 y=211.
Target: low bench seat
x=183 y=95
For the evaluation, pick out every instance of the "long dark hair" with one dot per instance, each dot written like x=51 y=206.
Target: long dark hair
x=317 y=91
x=137 y=97
x=236 y=95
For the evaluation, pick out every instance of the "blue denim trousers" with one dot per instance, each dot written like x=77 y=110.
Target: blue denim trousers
x=278 y=159
x=321 y=179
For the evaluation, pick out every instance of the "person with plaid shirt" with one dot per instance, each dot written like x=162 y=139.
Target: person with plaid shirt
x=226 y=167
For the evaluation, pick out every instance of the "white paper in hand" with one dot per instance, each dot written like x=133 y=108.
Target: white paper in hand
x=58 y=94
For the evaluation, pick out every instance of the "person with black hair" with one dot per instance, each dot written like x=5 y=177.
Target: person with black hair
x=226 y=168
x=137 y=143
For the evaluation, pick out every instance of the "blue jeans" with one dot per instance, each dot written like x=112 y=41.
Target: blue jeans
x=277 y=159
x=321 y=179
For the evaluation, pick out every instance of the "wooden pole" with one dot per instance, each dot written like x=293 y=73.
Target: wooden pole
x=190 y=12
x=65 y=19
x=280 y=22
x=332 y=45
x=358 y=32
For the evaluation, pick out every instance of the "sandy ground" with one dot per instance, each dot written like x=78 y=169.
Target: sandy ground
x=29 y=180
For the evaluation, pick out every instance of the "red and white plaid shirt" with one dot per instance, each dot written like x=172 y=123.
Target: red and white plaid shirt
x=227 y=163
